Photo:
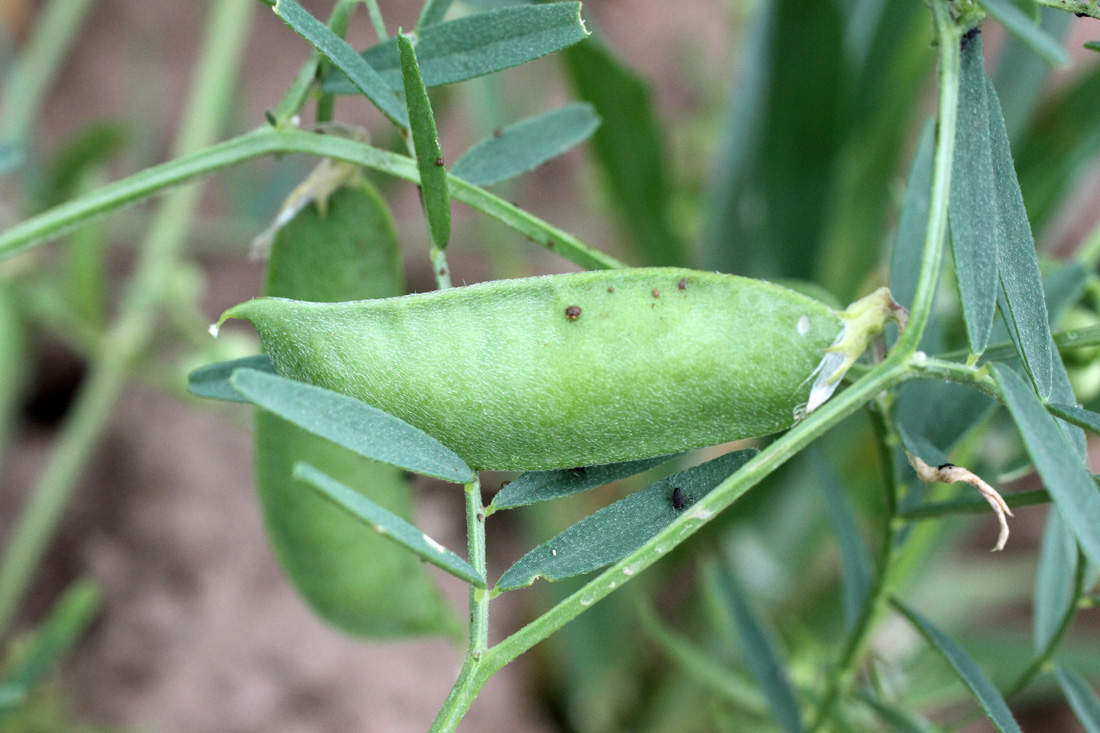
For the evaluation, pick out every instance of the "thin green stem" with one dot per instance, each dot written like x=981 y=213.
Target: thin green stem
x=1069 y=340
x=844 y=671
x=271 y=141
x=211 y=97
x=376 y=20
x=1042 y=659
x=947 y=37
x=56 y=28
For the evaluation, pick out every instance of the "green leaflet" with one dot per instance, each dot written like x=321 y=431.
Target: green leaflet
x=537 y=486
x=479 y=44
x=1085 y=704
x=966 y=668
x=1054 y=579
x=429 y=156
x=763 y=656
x=527 y=144
x=360 y=74
x=387 y=524
x=1079 y=416
x=628 y=146
x=212 y=381
x=976 y=231
x=617 y=530
x=352 y=578
x=1062 y=470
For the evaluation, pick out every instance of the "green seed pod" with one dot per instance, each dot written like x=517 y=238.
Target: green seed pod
x=579 y=369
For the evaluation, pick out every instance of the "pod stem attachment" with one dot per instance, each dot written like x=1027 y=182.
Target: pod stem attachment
x=949 y=473
x=862 y=321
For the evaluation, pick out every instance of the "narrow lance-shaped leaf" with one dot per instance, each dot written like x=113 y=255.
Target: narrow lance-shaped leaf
x=387 y=524
x=1062 y=470
x=432 y=13
x=1079 y=416
x=1085 y=704
x=615 y=531
x=476 y=45
x=763 y=657
x=429 y=156
x=628 y=147
x=909 y=240
x=355 y=425
x=359 y=73
x=974 y=217
x=1023 y=27
x=854 y=555
x=55 y=636
x=526 y=145
x=968 y=670
x=536 y=486
x=1021 y=281
x=212 y=381
x=1054 y=579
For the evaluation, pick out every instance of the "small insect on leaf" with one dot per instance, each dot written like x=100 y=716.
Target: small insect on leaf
x=679 y=501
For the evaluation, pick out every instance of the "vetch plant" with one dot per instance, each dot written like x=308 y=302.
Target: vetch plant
x=584 y=379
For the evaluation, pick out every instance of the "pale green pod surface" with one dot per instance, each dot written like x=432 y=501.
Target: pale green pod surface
x=566 y=370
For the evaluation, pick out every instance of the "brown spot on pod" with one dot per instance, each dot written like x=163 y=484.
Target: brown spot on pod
x=611 y=289
x=550 y=243
x=573 y=312
x=498 y=132
x=439 y=161
x=683 y=284
x=656 y=293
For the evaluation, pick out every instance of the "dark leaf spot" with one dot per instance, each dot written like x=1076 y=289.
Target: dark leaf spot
x=683 y=284
x=573 y=312
x=656 y=293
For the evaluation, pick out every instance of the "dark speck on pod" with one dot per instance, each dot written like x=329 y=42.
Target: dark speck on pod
x=498 y=132
x=656 y=293
x=611 y=288
x=439 y=161
x=683 y=284
x=573 y=312
x=678 y=499
x=550 y=243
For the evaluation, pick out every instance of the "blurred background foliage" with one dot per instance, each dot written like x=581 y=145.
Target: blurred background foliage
x=773 y=142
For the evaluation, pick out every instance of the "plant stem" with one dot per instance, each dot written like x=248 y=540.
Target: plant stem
x=211 y=96
x=844 y=671
x=274 y=141
x=1077 y=7
x=54 y=31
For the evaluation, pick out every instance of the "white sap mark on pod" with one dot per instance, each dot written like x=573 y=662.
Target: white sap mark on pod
x=612 y=584
x=803 y=325
x=628 y=571
x=379 y=528
x=919 y=357
x=586 y=602
x=213 y=330
x=434 y=545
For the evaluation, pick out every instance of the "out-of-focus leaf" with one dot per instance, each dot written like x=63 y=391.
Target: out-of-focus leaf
x=212 y=381
x=617 y=530
x=1059 y=146
x=355 y=425
x=628 y=146
x=969 y=672
x=1054 y=591
x=1092 y=45
x=479 y=44
x=771 y=197
x=429 y=156
x=526 y=145
x=855 y=558
x=899 y=719
x=11 y=156
x=360 y=73
x=432 y=13
x=13 y=361
x=909 y=241
x=536 y=486
x=1022 y=26
x=1079 y=416
x=344 y=248
x=1019 y=76
x=764 y=659
x=976 y=230
x=1062 y=470
x=91 y=146
x=1085 y=704
x=1063 y=288
x=387 y=524
x=1017 y=264
x=55 y=636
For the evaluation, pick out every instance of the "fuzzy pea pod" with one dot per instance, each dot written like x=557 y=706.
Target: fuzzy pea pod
x=579 y=369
